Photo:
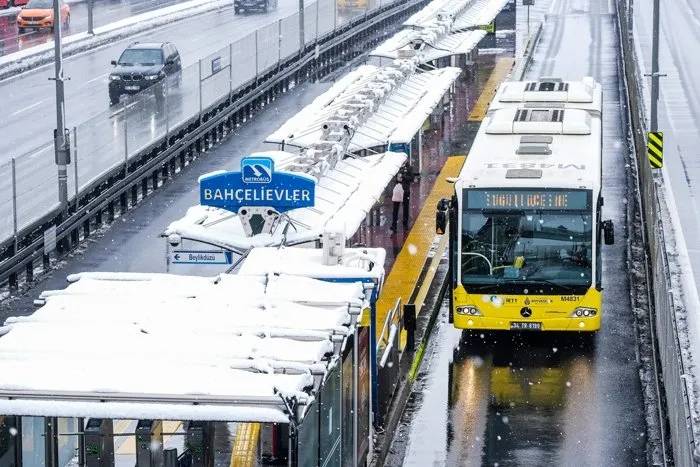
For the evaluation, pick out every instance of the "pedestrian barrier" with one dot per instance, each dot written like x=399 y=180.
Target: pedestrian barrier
x=118 y=157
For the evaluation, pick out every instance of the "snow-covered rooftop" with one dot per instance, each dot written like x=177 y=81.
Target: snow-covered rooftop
x=344 y=196
x=154 y=345
x=438 y=47
x=308 y=262
x=479 y=13
x=395 y=120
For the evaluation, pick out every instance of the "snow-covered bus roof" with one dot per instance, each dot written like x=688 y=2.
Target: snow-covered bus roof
x=174 y=347
x=344 y=196
x=586 y=94
x=543 y=145
x=396 y=119
x=354 y=263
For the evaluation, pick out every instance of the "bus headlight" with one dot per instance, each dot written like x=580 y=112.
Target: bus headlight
x=584 y=312
x=468 y=310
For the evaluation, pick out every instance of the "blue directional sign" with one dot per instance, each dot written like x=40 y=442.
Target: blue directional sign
x=201 y=257
x=257 y=184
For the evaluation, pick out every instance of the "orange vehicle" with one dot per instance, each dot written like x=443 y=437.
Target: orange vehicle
x=9 y=3
x=39 y=14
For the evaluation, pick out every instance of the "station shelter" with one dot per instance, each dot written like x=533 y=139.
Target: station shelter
x=166 y=370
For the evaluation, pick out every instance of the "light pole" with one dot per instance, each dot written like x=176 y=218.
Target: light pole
x=61 y=137
x=302 y=39
x=653 y=120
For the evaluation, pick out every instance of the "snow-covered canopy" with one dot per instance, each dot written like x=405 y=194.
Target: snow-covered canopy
x=344 y=196
x=436 y=47
x=308 y=262
x=174 y=347
x=395 y=120
x=479 y=13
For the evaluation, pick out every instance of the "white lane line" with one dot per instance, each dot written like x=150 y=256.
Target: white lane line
x=96 y=78
x=24 y=109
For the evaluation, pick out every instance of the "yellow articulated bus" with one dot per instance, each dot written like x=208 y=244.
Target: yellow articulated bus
x=524 y=222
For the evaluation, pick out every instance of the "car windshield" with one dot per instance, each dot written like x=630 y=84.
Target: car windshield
x=141 y=57
x=538 y=250
x=40 y=4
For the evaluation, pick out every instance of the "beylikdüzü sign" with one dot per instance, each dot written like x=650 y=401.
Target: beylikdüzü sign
x=257 y=184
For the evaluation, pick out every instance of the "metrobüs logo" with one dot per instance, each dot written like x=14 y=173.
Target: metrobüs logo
x=257 y=169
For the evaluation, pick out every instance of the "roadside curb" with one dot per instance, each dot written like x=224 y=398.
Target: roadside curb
x=411 y=363
x=25 y=60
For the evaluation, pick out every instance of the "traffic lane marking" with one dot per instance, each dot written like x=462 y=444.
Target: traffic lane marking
x=24 y=109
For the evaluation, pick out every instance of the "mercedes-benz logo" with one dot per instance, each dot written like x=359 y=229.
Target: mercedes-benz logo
x=526 y=312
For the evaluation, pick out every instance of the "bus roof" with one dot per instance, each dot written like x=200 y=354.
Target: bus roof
x=538 y=144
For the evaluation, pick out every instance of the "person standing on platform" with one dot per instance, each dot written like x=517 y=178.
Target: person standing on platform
x=396 y=199
x=406 y=178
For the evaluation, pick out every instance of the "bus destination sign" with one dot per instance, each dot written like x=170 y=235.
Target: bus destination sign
x=546 y=200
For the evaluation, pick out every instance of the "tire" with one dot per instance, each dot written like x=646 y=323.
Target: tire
x=21 y=30
x=113 y=100
x=236 y=11
x=265 y=7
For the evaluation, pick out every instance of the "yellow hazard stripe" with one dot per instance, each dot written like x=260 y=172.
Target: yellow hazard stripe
x=657 y=138
x=655 y=163
x=658 y=152
x=401 y=280
x=498 y=74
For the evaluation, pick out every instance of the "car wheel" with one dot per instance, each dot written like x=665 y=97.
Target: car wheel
x=236 y=11
x=21 y=30
x=113 y=100
x=264 y=8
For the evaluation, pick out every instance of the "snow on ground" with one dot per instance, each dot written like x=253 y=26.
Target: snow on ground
x=32 y=57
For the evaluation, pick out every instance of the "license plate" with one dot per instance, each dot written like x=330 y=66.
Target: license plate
x=132 y=88
x=525 y=326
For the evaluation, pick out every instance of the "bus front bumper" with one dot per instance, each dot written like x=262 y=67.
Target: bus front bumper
x=585 y=324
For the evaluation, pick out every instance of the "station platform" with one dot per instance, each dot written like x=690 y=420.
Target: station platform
x=413 y=255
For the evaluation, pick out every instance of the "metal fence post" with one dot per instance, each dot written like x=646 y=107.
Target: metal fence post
x=199 y=67
x=230 y=70
x=75 y=164
x=90 y=5
x=126 y=145
x=14 y=202
x=167 y=118
x=256 y=55
x=279 y=43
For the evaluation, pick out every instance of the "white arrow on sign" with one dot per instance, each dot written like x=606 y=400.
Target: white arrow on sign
x=201 y=257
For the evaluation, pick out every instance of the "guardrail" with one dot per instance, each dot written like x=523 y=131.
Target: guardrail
x=184 y=125
x=676 y=389
x=523 y=63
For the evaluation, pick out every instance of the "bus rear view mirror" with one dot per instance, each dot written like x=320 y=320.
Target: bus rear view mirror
x=608 y=232
x=441 y=216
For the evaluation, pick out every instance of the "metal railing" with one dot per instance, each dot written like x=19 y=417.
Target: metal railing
x=678 y=392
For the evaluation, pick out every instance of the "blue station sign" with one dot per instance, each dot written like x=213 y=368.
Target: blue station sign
x=257 y=184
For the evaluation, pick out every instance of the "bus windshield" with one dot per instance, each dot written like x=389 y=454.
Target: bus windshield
x=526 y=251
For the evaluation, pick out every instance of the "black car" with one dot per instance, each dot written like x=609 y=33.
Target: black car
x=141 y=66
x=261 y=5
